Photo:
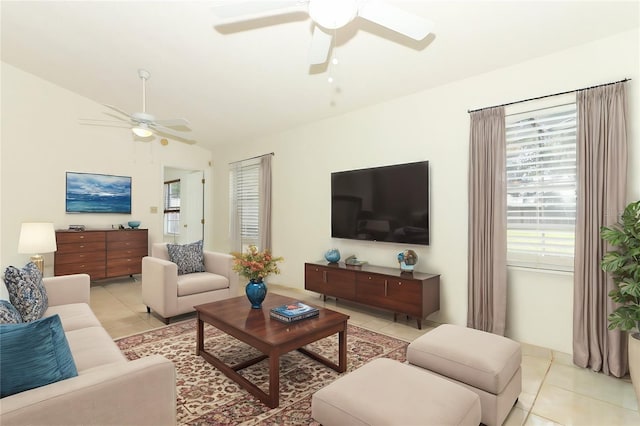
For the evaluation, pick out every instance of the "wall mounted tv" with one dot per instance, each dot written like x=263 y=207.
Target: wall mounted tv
x=96 y=193
x=389 y=203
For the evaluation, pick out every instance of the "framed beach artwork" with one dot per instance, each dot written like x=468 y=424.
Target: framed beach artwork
x=97 y=193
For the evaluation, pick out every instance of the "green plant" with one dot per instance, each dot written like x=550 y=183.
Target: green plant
x=624 y=264
x=255 y=265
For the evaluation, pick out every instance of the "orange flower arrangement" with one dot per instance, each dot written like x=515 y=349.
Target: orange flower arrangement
x=256 y=265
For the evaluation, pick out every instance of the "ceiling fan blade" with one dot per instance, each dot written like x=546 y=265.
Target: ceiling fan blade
x=320 y=46
x=395 y=19
x=103 y=123
x=240 y=11
x=163 y=131
x=115 y=108
x=174 y=122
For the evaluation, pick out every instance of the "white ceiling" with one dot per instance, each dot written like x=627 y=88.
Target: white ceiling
x=254 y=79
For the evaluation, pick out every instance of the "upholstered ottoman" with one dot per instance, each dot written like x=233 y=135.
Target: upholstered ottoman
x=485 y=363
x=388 y=392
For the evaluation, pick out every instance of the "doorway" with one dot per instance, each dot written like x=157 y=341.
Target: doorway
x=183 y=219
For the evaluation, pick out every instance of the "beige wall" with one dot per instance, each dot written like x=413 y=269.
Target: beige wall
x=41 y=139
x=431 y=125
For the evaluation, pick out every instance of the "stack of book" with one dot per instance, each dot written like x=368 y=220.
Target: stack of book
x=294 y=311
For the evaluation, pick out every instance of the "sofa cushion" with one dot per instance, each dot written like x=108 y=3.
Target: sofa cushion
x=74 y=316
x=34 y=354
x=93 y=347
x=26 y=291
x=8 y=313
x=188 y=257
x=200 y=282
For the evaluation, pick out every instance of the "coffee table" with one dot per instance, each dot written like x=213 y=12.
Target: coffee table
x=271 y=337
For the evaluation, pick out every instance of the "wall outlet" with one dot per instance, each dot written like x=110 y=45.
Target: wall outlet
x=154 y=209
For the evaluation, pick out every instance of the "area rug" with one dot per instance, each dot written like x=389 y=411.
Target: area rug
x=205 y=396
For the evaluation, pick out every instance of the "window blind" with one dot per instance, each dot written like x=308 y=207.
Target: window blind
x=245 y=200
x=541 y=188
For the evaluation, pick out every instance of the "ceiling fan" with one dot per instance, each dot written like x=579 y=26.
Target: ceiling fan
x=145 y=124
x=327 y=15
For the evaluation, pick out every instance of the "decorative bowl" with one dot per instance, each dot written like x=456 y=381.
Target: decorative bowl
x=133 y=224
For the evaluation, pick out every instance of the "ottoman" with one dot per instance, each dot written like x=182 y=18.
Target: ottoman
x=485 y=363
x=388 y=392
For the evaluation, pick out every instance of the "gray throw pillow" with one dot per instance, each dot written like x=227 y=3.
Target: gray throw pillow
x=188 y=257
x=26 y=291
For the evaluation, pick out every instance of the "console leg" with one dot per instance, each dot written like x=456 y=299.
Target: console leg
x=148 y=310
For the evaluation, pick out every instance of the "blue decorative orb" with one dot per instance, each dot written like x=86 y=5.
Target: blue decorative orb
x=133 y=223
x=256 y=292
x=332 y=256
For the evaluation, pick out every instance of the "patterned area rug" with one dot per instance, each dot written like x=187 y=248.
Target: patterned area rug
x=205 y=396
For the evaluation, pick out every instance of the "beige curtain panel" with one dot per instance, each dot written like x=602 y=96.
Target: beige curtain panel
x=602 y=172
x=487 y=269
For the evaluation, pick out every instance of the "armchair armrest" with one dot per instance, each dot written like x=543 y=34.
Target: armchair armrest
x=66 y=289
x=222 y=264
x=159 y=284
x=138 y=392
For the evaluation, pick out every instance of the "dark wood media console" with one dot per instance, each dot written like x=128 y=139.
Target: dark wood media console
x=415 y=294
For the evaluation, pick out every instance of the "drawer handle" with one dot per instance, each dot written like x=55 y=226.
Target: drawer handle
x=369 y=277
x=82 y=246
x=385 y=287
x=324 y=276
x=81 y=236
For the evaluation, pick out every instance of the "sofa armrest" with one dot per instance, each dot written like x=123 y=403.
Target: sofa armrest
x=222 y=264
x=138 y=392
x=66 y=289
x=159 y=284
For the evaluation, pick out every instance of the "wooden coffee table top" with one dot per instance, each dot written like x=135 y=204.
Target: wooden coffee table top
x=235 y=316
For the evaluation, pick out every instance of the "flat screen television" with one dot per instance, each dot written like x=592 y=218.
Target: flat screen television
x=389 y=203
x=96 y=193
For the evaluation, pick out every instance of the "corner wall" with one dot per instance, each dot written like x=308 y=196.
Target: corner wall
x=42 y=138
x=431 y=125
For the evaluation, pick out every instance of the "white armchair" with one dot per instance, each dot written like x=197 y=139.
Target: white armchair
x=169 y=294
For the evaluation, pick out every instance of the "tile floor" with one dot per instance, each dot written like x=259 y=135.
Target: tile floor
x=554 y=391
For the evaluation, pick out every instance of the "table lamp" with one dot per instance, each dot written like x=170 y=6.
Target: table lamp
x=37 y=237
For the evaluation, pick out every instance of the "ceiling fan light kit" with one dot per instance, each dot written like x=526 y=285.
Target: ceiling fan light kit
x=142 y=130
x=333 y=14
x=329 y=15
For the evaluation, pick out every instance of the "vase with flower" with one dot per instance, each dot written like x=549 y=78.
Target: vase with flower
x=256 y=265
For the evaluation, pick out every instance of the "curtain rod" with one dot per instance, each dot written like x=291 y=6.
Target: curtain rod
x=253 y=158
x=548 y=96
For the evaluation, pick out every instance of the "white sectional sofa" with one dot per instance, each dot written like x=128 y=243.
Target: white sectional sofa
x=109 y=390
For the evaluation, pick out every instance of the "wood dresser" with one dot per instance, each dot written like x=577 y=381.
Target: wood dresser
x=415 y=294
x=101 y=253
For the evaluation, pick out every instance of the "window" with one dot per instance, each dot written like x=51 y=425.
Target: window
x=172 y=207
x=244 y=179
x=541 y=187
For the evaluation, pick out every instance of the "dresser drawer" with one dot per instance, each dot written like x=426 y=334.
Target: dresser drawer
x=131 y=236
x=136 y=252
x=80 y=247
x=79 y=237
x=95 y=269
x=80 y=257
x=124 y=266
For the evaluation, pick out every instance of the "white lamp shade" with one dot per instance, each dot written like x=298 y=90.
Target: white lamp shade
x=37 y=237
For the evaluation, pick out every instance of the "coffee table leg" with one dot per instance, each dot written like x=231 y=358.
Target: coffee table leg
x=199 y=336
x=274 y=380
x=342 y=350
